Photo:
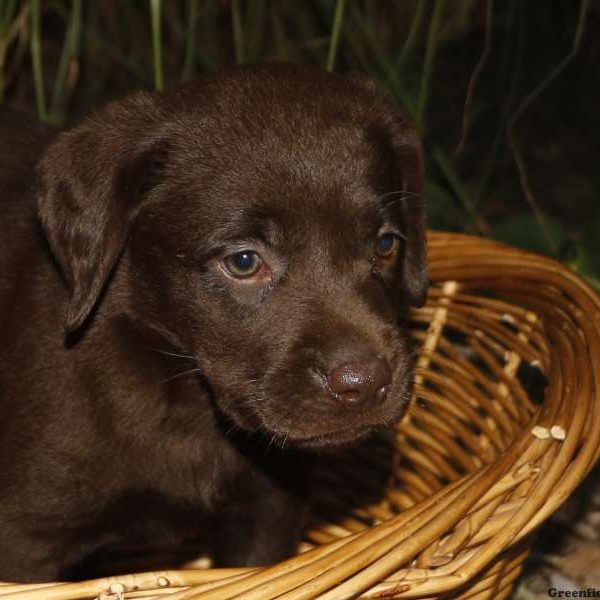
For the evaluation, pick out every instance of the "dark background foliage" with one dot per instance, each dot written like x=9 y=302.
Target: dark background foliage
x=504 y=92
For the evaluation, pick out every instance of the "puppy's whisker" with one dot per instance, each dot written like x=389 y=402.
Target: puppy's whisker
x=248 y=400
x=170 y=353
x=285 y=440
x=182 y=374
x=396 y=192
x=251 y=381
x=413 y=200
x=272 y=441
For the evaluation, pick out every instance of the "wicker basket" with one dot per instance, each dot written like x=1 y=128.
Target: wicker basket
x=481 y=460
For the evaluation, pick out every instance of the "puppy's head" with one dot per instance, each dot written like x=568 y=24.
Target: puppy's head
x=269 y=221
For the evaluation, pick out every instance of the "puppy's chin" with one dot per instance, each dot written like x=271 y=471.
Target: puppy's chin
x=338 y=436
x=303 y=436
x=335 y=439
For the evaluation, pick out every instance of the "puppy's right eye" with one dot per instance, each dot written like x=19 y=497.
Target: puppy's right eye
x=243 y=264
x=387 y=245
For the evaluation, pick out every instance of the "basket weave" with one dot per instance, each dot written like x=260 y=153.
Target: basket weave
x=480 y=463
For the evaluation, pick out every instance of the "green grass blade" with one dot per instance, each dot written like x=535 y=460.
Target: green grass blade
x=432 y=44
x=190 y=39
x=69 y=53
x=384 y=64
x=238 y=31
x=525 y=104
x=469 y=207
x=8 y=28
x=281 y=46
x=255 y=21
x=338 y=19
x=7 y=11
x=36 y=58
x=476 y=75
x=155 y=11
x=511 y=68
x=413 y=35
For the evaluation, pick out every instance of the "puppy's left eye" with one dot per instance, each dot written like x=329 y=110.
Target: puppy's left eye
x=386 y=245
x=242 y=265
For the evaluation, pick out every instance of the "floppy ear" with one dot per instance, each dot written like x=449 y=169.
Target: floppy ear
x=395 y=133
x=412 y=209
x=91 y=183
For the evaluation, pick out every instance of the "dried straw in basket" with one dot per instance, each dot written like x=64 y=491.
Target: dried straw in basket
x=478 y=464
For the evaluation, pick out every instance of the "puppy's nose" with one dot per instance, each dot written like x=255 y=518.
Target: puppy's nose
x=359 y=383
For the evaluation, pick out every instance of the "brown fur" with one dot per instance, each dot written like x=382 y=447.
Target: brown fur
x=144 y=394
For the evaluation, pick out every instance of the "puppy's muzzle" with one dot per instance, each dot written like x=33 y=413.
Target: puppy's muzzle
x=360 y=384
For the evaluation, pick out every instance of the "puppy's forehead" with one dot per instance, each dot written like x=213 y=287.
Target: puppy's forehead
x=292 y=214
x=295 y=189
x=296 y=214
x=293 y=149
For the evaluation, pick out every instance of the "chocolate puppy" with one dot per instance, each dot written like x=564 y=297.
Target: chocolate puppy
x=197 y=288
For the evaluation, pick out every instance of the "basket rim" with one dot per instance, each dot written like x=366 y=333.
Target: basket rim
x=350 y=566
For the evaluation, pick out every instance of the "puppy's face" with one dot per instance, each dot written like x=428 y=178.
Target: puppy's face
x=272 y=232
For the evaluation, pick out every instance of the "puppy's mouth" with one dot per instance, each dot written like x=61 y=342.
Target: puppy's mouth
x=337 y=435
x=297 y=433
x=335 y=438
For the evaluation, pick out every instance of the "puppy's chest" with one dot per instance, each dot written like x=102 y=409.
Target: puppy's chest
x=169 y=493
x=169 y=460
x=193 y=472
